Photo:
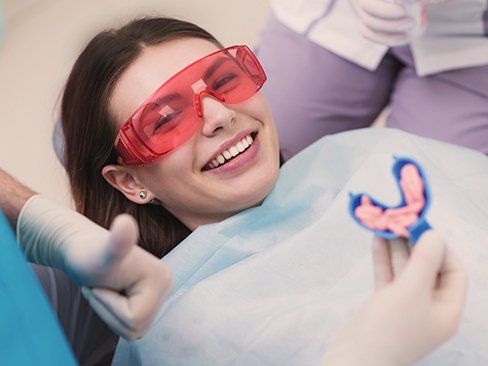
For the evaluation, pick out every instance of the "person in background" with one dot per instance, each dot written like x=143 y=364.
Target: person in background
x=334 y=65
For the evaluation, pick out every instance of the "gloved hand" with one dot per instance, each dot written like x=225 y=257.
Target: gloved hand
x=410 y=314
x=123 y=283
x=383 y=21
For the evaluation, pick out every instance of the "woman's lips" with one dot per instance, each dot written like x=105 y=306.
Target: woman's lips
x=226 y=147
x=241 y=160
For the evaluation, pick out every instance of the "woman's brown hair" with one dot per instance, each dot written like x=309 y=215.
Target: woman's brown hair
x=90 y=130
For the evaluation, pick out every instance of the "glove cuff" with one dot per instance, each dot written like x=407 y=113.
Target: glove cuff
x=44 y=227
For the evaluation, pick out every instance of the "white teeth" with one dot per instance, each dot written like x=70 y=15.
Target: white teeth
x=227 y=154
x=240 y=146
x=231 y=152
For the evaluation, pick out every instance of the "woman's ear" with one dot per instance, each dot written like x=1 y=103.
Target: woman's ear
x=124 y=180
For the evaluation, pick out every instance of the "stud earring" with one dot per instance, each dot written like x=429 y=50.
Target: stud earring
x=142 y=195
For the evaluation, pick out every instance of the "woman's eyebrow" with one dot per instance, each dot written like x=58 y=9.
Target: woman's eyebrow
x=167 y=98
x=161 y=101
x=214 y=67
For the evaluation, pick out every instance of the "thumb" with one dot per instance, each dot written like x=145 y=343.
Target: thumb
x=124 y=234
x=425 y=262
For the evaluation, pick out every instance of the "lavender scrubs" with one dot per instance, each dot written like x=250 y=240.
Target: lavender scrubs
x=312 y=92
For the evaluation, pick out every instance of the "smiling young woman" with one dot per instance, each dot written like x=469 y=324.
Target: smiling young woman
x=180 y=179
x=114 y=75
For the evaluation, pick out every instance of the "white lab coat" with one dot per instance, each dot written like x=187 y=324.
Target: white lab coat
x=454 y=37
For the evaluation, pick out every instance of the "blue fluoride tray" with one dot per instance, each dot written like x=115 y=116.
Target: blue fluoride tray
x=420 y=226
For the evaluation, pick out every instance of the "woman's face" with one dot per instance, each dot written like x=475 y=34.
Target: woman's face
x=182 y=180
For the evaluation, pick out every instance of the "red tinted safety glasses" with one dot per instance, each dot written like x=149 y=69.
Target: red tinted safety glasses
x=173 y=113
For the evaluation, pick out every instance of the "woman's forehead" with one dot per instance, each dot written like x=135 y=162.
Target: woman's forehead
x=151 y=69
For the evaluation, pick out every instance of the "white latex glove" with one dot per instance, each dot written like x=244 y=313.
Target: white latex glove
x=383 y=21
x=410 y=314
x=123 y=283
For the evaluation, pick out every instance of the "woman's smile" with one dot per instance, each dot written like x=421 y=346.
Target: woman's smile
x=234 y=154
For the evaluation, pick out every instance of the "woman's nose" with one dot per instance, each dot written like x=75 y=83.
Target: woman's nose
x=216 y=115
